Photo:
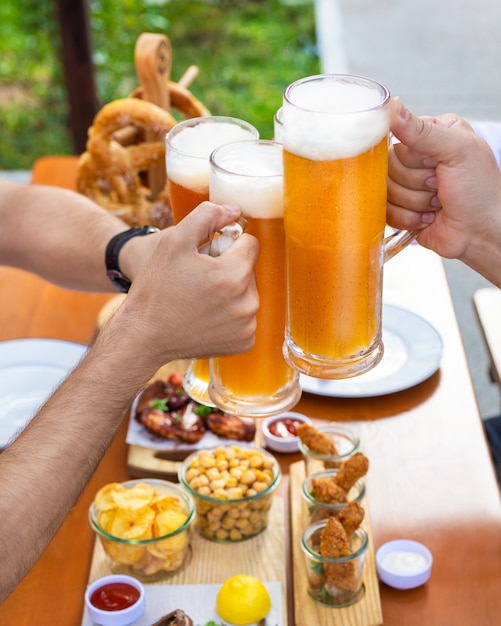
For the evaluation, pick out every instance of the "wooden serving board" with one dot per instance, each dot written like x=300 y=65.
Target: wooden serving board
x=263 y=556
x=367 y=611
x=145 y=463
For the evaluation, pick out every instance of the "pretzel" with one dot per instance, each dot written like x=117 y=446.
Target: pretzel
x=109 y=172
x=181 y=99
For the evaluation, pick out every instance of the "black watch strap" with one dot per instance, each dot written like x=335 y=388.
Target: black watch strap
x=113 y=248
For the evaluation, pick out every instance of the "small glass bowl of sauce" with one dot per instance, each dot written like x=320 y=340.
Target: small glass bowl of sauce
x=115 y=600
x=280 y=431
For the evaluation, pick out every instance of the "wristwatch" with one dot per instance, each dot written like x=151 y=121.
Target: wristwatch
x=121 y=282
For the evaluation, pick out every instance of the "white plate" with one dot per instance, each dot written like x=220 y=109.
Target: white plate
x=30 y=369
x=197 y=601
x=412 y=353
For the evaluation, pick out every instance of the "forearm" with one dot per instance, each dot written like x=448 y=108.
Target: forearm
x=483 y=252
x=62 y=447
x=60 y=235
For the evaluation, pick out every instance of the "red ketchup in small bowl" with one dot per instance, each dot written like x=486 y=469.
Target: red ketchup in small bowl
x=280 y=431
x=114 y=596
x=115 y=600
x=284 y=427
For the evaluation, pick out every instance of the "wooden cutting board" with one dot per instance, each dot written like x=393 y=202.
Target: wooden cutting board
x=367 y=611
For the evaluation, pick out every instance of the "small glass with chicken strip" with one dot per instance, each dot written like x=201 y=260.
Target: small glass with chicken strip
x=334 y=560
x=324 y=496
x=326 y=447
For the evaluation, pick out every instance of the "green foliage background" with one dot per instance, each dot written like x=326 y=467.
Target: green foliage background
x=248 y=51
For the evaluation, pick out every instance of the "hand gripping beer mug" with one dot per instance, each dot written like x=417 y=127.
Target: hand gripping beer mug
x=335 y=133
x=188 y=147
x=259 y=382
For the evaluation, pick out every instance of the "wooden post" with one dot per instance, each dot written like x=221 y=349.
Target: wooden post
x=74 y=25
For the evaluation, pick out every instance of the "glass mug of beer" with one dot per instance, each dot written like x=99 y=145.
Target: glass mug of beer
x=258 y=382
x=188 y=147
x=335 y=133
x=277 y=125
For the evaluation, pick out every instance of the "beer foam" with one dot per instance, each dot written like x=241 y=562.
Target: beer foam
x=333 y=120
x=251 y=176
x=188 y=160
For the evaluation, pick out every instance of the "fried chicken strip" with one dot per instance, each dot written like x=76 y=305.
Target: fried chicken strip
x=327 y=490
x=351 y=470
x=334 y=543
x=350 y=517
x=315 y=440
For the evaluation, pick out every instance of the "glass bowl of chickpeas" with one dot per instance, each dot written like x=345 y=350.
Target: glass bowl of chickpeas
x=232 y=488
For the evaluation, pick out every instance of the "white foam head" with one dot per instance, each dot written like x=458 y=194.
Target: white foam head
x=334 y=118
x=249 y=174
x=188 y=151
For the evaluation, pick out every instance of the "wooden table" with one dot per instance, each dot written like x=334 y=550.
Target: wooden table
x=430 y=478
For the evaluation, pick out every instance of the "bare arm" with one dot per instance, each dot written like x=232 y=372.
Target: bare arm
x=445 y=179
x=182 y=304
x=62 y=236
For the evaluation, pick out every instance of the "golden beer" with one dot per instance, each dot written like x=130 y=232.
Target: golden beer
x=258 y=382
x=335 y=135
x=182 y=198
x=188 y=147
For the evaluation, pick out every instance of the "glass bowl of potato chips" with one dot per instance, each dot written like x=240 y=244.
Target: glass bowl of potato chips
x=144 y=527
x=233 y=490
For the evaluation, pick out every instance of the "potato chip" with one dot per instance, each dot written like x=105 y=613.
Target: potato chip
x=126 y=555
x=105 y=520
x=165 y=548
x=133 y=523
x=104 y=497
x=135 y=497
x=163 y=503
x=168 y=521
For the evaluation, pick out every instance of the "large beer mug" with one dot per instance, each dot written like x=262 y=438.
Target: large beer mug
x=335 y=133
x=188 y=148
x=258 y=382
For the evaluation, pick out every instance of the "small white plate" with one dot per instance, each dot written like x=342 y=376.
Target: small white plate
x=30 y=369
x=412 y=353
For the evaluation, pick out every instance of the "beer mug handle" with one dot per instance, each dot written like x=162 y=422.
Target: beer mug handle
x=224 y=238
x=397 y=241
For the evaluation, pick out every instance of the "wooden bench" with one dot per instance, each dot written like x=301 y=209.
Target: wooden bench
x=487 y=303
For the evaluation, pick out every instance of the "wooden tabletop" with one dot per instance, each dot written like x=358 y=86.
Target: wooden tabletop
x=430 y=478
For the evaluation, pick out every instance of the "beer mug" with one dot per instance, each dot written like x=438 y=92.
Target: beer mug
x=258 y=382
x=277 y=125
x=335 y=133
x=188 y=147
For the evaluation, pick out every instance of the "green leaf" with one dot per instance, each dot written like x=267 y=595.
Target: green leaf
x=161 y=404
x=323 y=594
x=202 y=410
